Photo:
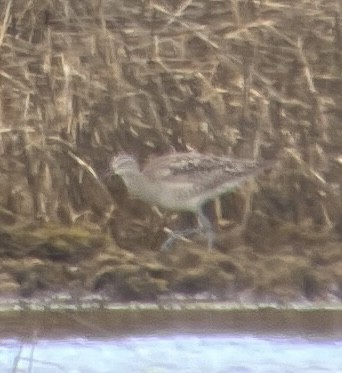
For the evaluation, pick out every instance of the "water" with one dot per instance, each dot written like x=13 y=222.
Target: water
x=174 y=353
x=165 y=342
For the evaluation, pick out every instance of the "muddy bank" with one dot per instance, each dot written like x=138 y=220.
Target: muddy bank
x=42 y=260
x=105 y=324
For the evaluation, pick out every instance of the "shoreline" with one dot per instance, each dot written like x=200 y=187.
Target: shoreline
x=65 y=302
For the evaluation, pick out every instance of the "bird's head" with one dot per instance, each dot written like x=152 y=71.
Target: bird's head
x=124 y=164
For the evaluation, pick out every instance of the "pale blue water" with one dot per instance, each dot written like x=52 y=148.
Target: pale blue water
x=181 y=353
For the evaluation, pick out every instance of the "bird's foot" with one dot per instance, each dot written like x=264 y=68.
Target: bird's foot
x=178 y=235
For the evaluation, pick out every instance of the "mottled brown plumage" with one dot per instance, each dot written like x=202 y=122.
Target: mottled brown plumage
x=185 y=181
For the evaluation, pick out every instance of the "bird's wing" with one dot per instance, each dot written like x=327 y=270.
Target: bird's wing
x=192 y=166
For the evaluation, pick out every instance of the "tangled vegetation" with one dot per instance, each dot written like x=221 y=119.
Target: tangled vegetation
x=81 y=80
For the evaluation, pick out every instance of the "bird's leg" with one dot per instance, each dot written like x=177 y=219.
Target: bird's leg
x=207 y=227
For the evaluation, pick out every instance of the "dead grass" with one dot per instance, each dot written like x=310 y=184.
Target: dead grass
x=83 y=79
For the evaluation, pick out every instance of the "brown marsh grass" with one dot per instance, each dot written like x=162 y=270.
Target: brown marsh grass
x=81 y=80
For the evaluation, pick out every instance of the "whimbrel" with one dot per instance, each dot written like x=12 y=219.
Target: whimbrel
x=185 y=181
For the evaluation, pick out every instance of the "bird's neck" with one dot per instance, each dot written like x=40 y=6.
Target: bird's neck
x=141 y=186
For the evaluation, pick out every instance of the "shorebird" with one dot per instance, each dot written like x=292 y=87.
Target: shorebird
x=185 y=182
